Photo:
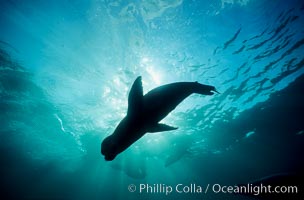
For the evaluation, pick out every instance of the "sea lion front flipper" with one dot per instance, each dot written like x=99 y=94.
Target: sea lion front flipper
x=135 y=100
x=160 y=128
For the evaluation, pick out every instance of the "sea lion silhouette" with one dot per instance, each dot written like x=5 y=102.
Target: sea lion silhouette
x=146 y=111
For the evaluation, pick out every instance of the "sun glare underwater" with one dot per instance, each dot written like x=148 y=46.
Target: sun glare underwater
x=66 y=68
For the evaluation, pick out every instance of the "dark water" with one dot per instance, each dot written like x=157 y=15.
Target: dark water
x=65 y=72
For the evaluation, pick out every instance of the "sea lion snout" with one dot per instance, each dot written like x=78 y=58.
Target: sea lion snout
x=107 y=149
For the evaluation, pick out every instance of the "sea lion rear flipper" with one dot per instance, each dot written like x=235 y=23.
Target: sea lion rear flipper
x=204 y=89
x=160 y=127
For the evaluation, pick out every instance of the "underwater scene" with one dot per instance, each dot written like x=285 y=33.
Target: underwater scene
x=224 y=118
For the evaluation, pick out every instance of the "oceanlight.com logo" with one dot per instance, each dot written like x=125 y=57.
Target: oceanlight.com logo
x=193 y=188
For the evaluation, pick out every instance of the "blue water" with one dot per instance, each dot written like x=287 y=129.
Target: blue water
x=66 y=68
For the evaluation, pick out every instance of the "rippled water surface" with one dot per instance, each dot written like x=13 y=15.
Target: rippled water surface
x=66 y=68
